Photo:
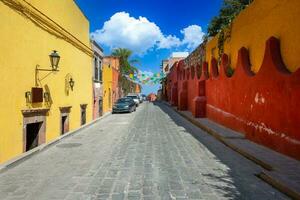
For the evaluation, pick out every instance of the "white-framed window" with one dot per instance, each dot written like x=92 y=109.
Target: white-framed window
x=97 y=69
x=100 y=70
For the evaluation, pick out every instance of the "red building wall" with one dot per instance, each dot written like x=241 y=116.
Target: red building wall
x=264 y=106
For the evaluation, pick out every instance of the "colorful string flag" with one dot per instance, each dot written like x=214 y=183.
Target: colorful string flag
x=146 y=77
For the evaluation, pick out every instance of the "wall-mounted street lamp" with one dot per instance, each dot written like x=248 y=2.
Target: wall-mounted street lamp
x=36 y=95
x=54 y=60
x=28 y=96
x=71 y=83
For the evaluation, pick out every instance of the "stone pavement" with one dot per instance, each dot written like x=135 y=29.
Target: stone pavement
x=281 y=171
x=153 y=153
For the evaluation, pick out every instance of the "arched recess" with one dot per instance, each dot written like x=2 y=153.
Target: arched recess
x=272 y=58
x=192 y=72
x=243 y=63
x=225 y=66
x=214 y=68
x=199 y=70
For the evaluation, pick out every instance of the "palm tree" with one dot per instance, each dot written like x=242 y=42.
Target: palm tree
x=126 y=68
x=126 y=65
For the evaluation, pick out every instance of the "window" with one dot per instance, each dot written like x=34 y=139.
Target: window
x=96 y=69
x=100 y=70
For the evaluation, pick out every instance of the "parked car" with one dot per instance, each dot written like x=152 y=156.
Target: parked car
x=141 y=98
x=124 y=105
x=135 y=98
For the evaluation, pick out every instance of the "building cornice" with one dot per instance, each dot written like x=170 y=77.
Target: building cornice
x=46 y=23
x=35 y=111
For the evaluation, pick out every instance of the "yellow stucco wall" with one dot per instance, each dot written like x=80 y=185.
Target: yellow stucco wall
x=107 y=85
x=261 y=20
x=24 y=45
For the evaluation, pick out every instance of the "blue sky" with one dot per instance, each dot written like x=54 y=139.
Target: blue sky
x=153 y=29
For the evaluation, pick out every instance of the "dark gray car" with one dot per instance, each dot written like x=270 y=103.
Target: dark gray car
x=124 y=105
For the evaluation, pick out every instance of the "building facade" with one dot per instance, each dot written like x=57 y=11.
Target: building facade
x=107 y=85
x=138 y=88
x=252 y=85
x=97 y=80
x=151 y=97
x=41 y=100
x=116 y=91
x=166 y=67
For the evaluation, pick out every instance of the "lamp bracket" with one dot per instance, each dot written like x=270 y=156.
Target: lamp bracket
x=37 y=69
x=48 y=70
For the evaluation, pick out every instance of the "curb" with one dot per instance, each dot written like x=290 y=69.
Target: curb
x=278 y=185
x=263 y=176
x=24 y=156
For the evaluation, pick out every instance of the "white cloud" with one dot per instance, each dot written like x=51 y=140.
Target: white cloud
x=193 y=36
x=169 y=42
x=141 y=35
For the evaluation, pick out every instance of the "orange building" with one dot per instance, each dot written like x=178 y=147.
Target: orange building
x=115 y=66
x=138 y=88
x=152 y=97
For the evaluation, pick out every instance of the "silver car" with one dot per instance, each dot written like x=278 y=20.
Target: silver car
x=135 y=98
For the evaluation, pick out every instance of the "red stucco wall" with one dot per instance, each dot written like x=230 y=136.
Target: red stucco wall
x=264 y=106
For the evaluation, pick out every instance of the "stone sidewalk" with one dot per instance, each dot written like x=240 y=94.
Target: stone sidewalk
x=280 y=171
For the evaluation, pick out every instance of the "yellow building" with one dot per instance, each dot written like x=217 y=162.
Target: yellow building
x=30 y=31
x=107 y=84
x=255 y=25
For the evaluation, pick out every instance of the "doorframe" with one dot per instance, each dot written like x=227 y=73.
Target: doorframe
x=35 y=116
x=100 y=111
x=64 y=112
x=82 y=108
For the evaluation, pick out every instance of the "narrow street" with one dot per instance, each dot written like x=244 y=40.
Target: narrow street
x=151 y=154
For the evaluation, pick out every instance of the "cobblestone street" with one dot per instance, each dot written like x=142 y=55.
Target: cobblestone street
x=151 y=154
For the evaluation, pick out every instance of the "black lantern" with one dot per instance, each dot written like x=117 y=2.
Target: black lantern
x=54 y=59
x=71 y=83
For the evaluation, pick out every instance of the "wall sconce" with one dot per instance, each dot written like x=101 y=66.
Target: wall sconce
x=47 y=96
x=28 y=96
x=54 y=60
x=71 y=83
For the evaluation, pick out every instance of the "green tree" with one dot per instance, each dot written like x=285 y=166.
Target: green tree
x=126 y=68
x=126 y=65
x=229 y=10
x=215 y=26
